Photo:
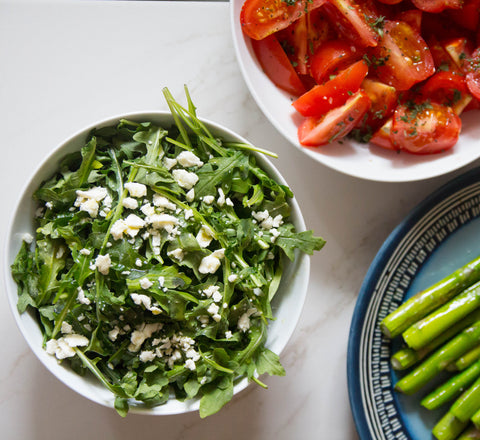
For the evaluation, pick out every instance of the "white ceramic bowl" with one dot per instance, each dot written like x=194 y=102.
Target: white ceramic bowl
x=287 y=304
x=349 y=157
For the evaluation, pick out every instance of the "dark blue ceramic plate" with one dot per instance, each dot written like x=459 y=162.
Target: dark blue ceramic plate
x=438 y=236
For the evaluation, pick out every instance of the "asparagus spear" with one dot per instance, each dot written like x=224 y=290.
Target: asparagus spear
x=406 y=357
x=429 y=299
x=471 y=433
x=448 y=427
x=452 y=387
x=468 y=403
x=425 y=330
x=476 y=419
x=439 y=360
x=468 y=358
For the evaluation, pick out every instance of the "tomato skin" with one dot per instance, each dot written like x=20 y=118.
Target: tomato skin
x=413 y=17
x=472 y=77
x=425 y=128
x=383 y=137
x=437 y=5
x=331 y=57
x=294 y=40
x=335 y=124
x=261 y=18
x=351 y=20
x=323 y=97
x=447 y=88
x=468 y=16
x=402 y=56
x=276 y=65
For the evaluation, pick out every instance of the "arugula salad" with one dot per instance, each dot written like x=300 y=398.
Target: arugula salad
x=156 y=255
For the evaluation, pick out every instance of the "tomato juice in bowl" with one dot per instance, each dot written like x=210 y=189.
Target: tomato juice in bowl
x=393 y=46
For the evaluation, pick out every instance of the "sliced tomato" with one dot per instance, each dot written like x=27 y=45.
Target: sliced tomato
x=473 y=76
x=437 y=5
x=383 y=136
x=441 y=58
x=383 y=102
x=294 y=40
x=449 y=89
x=324 y=97
x=276 y=65
x=260 y=18
x=335 y=124
x=318 y=28
x=390 y=2
x=425 y=127
x=356 y=23
x=402 y=58
x=460 y=50
x=468 y=15
x=411 y=16
x=331 y=57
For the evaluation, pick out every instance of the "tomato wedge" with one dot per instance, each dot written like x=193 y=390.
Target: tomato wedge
x=260 y=18
x=411 y=16
x=473 y=76
x=449 y=89
x=402 y=58
x=331 y=57
x=468 y=16
x=276 y=65
x=383 y=136
x=437 y=5
x=356 y=23
x=425 y=127
x=294 y=40
x=323 y=97
x=335 y=124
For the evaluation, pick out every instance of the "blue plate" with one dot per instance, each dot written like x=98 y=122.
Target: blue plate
x=441 y=234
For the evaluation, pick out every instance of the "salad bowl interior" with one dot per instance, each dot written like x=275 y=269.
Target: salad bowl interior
x=286 y=305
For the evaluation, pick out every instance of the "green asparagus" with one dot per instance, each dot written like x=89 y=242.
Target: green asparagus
x=468 y=403
x=448 y=427
x=469 y=358
x=429 y=299
x=472 y=433
x=427 y=329
x=439 y=360
x=452 y=387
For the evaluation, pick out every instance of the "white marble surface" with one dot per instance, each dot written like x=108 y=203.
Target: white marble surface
x=66 y=64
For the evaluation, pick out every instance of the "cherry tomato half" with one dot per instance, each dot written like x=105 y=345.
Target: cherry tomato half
x=331 y=57
x=425 y=127
x=260 y=18
x=402 y=58
x=335 y=124
x=276 y=65
x=437 y=5
x=323 y=97
x=473 y=76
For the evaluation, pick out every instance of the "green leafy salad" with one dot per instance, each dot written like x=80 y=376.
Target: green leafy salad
x=156 y=255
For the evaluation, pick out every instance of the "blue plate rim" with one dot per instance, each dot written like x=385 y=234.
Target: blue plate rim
x=366 y=290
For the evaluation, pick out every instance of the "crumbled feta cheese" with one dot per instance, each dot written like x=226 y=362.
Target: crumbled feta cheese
x=140 y=299
x=130 y=203
x=188 y=159
x=228 y=334
x=27 y=238
x=275 y=233
x=113 y=334
x=232 y=278
x=221 y=197
x=243 y=322
x=145 y=283
x=66 y=328
x=204 y=236
x=169 y=163
x=88 y=201
x=267 y=223
x=118 y=228
x=103 y=263
x=229 y=202
x=277 y=221
x=147 y=209
x=188 y=213
x=260 y=215
x=190 y=364
x=143 y=332
x=184 y=178
x=136 y=189
x=138 y=262
x=134 y=224
x=213 y=309
x=84 y=251
x=147 y=356
x=217 y=297
x=208 y=200
x=210 y=290
x=163 y=221
x=163 y=202
x=209 y=264
x=63 y=347
x=257 y=291
x=190 y=196
x=176 y=253
x=48 y=205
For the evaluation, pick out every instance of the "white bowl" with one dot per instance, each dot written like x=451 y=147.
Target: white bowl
x=287 y=304
x=349 y=157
